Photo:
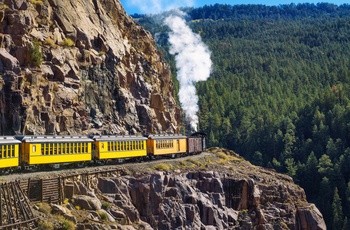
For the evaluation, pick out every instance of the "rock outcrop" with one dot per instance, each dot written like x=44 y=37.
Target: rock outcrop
x=74 y=67
x=214 y=191
x=209 y=200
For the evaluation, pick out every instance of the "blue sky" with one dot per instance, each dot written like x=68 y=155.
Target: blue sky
x=156 y=6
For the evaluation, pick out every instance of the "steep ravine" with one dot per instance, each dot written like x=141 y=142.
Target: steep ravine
x=77 y=67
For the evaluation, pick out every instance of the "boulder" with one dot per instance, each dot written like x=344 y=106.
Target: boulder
x=9 y=62
x=87 y=202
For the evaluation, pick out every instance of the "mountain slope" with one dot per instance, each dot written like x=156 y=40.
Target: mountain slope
x=74 y=67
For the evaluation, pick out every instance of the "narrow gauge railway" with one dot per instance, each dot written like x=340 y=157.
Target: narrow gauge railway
x=35 y=152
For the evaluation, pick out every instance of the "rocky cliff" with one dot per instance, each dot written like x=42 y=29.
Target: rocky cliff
x=74 y=67
x=217 y=190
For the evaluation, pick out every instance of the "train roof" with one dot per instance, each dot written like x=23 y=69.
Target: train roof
x=196 y=134
x=167 y=136
x=8 y=140
x=119 y=138
x=53 y=139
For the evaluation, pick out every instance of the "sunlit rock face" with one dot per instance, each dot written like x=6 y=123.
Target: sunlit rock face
x=78 y=67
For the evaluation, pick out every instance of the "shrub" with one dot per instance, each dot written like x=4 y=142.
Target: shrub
x=36 y=57
x=68 y=42
x=44 y=225
x=163 y=167
x=68 y=225
x=44 y=208
x=103 y=215
x=106 y=205
x=50 y=42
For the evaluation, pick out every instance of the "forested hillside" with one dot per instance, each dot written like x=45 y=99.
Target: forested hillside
x=279 y=93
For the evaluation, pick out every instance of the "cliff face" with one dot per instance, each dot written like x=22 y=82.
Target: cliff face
x=73 y=67
x=217 y=190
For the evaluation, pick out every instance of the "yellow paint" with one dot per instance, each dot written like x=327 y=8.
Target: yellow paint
x=120 y=149
x=9 y=156
x=178 y=146
x=56 y=159
x=9 y=162
x=55 y=153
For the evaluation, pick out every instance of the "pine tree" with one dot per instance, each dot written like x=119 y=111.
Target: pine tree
x=337 y=211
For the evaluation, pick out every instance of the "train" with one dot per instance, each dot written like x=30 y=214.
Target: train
x=23 y=152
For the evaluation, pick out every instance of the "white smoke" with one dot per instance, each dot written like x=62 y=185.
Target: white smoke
x=193 y=63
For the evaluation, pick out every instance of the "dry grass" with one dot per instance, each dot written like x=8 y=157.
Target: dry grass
x=48 y=41
x=163 y=167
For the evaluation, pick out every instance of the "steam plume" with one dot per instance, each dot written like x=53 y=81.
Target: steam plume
x=193 y=63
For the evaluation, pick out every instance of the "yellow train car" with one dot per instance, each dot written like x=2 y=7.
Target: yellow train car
x=36 y=150
x=118 y=147
x=166 y=144
x=9 y=152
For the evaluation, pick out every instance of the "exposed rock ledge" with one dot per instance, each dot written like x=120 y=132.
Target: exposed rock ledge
x=74 y=67
x=214 y=191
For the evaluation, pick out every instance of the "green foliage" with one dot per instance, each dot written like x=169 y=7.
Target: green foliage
x=68 y=225
x=36 y=56
x=103 y=215
x=45 y=225
x=163 y=167
x=337 y=211
x=279 y=93
x=68 y=42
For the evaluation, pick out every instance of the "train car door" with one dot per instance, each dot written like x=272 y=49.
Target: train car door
x=178 y=145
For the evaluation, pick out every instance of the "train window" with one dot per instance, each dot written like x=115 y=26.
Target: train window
x=87 y=147
x=42 y=148
x=34 y=149
x=109 y=146
x=46 y=149
x=63 y=148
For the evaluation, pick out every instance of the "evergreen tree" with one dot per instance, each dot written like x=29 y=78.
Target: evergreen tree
x=337 y=211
